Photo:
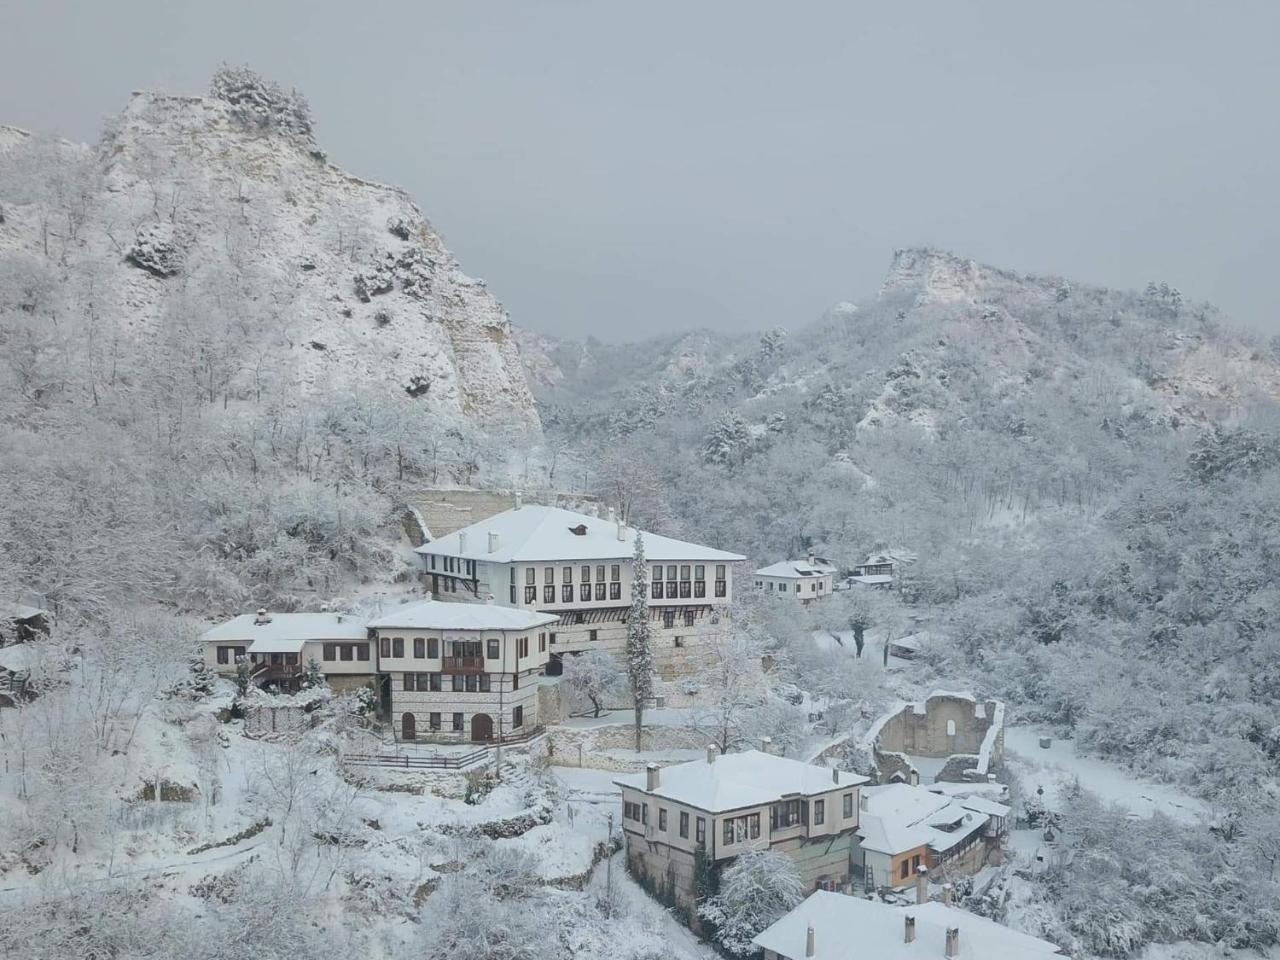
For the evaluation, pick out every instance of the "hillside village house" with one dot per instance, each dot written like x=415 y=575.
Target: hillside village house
x=464 y=671
x=806 y=580
x=578 y=567
x=21 y=623
x=279 y=645
x=903 y=827
x=830 y=926
x=736 y=802
x=879 y=569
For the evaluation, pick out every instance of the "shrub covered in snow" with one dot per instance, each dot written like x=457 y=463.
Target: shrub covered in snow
x=261 y=103
x=156 y=250
x=755 y=891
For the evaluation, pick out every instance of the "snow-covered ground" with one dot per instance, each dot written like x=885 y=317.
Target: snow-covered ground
x=1060 y=765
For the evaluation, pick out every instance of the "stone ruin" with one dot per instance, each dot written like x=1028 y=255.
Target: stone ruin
x=965 y=733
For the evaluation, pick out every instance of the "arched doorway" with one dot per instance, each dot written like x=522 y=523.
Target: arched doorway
x=408 y=727
x=481 y=728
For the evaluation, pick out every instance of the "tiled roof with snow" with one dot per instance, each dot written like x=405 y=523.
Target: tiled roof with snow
x=20 y=611
x=535 y=533
x=737 y=780
x=292 y=627
x=438 y=615
x=797 y=569
x=899 y=817
x=849 y=928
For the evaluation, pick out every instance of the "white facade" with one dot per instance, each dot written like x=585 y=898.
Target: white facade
x=805 y=580
x=579 y=568
x=462 y=672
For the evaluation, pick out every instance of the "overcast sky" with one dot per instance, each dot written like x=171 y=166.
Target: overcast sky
x=629 y=169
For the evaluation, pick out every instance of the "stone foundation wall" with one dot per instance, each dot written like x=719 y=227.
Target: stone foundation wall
x=595 y=747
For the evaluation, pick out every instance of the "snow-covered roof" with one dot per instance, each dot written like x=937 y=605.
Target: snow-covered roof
x=737 y=780
x=533 y=533
x=439 y=615
x=898 y=817
x=797 y=569
x=277 y=645
x=912 y=641
x=837 y=640
x=293 y=627
x=847 y=927
x=873 y=578
x=889 y=556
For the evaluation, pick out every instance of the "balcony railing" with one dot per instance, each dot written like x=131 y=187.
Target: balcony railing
x=463 y=665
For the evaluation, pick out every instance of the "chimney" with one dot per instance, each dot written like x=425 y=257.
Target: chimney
x=613 y=514
x=953 y=942
x=909 y=929
x=946 y=893
x=922 y=884
x=493 y=542
x=813 y=560
x=809 y=948
x=622 y=529
x=835 y=775
x=766 y=744
x=262 y=617
x=711 y=753
x=914 y=777
x=863 y=801
x=518 y=501
x=462 y=541
x=651 y=777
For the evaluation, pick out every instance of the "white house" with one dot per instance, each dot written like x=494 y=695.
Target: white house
x=579 y=568
x=902 y=827
x=463 y=671
x=831 y=926
x=736 y=802
x=879 y=569
x=279 y=645
x=806 y=580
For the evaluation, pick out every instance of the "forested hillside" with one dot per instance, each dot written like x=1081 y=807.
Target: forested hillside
x=1086 y=475
x=221 y=356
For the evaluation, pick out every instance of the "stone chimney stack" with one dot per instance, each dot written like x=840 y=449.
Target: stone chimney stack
x=766 y=744
x=953 y=942
x=493 y=542
x=261 y=617
x=812 y=558
x=946 y=893
x=922 y=884
x=651 y=777
x=809 y=947
x=622 y=528
x=712 y=749
x=518 y=502
x=909 y=929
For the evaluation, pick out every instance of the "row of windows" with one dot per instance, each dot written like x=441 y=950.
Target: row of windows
x=428 y=648
x=455 y=682
x=815 y=586
x=457 y=720
x=566 y=574
x=346 y=651
x=566 y=593
x=639 y=813
x=699 y=571
x=457 y=565
x=738 y=829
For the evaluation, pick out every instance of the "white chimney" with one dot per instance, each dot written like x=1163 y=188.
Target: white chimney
x=863 y=802
x=711 y=753
x=953 y=942
x=946 y=893
x=766 y=744
x=909 y=929
x=462 y=541
x=809 y=947
x=262 y=617
x=835 y=775
x=493 y=542
x=518 y=502
x=651 y=777
x=922 y=884
x=813 y=560
x=613 y=515
x=622 y=529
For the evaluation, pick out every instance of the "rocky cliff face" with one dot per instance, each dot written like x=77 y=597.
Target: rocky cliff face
x=240 y=251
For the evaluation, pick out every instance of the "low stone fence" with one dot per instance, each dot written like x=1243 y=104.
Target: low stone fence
x=606 y=747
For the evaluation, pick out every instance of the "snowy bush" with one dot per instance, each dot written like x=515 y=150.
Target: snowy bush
x=756 y=890
x=262 y=104
x=156 y=250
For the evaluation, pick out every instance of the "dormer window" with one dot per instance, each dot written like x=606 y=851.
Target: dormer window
x=579 y=531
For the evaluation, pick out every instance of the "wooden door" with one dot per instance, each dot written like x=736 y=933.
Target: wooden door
x=481 y=728
x=408 y=727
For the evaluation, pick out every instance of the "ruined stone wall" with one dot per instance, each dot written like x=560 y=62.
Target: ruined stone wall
x=969 y=733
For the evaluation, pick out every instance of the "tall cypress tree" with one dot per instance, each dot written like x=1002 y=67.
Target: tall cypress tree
x=639 y=648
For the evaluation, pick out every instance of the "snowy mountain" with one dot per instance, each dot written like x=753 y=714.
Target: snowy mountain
x=235 y=249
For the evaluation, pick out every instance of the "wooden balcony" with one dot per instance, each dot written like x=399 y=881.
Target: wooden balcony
x=462 y=665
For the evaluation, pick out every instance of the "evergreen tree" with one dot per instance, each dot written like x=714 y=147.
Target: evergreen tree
x=203 y=679
x=639 y=647
x=313 y=677
x=244 y=673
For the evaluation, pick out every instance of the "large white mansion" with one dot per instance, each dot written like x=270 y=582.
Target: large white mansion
x=579 y=567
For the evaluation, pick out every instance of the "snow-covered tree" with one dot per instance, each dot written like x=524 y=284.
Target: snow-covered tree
x=262 y=103
x=592 y=674
x=756 y=890
x=639 y=645
x=313 y=676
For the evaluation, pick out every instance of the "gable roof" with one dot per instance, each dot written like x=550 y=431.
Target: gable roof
x=439 y=615
x=898 y=817
x=21 y=611
x=797 y=569
x=285 y=630
x=737 y=780
x=533 y=533
x=850 y=928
